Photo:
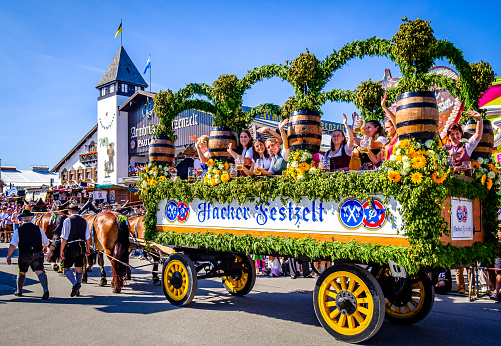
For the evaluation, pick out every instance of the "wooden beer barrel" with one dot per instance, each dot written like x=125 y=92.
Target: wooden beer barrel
x=486 y=144
x=219 y=139
x=161 y=150
x=305 y=131
x=417 y=115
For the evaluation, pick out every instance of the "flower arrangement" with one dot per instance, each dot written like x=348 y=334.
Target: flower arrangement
x=485 y=172
x=217 y=172
x=153 y=173
x=301 y=165
x=413 y=162
x=88 y=155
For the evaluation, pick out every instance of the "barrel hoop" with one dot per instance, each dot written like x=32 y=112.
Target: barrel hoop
x=222 y=137
x=220 y=150
x=418 y=135
x=417 y=122
x=488 y=131
x=417 y=105
x=416 y=94
x=302 y=135
x=485 y=144
x=304 y=112
x=305 y=122
x=161 y=145
x=160 y=155
x=311 y=147
x=220 y=128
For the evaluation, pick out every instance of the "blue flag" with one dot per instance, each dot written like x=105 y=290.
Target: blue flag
x=148 y=65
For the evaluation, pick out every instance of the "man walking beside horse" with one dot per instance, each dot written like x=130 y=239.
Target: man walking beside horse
x=75 y=245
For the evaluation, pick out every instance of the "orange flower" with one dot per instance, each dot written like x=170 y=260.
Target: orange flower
x=492 y=168
x=162 y=177
x=296 y=155
x=147 y=169
x=404 y=143
x=226 y=166
x=416 y=178
x=484 y=177
x=154 y=168
x=398 y=158
x=438 y=180
x=394 y=176
x=213 y=181
x=303 y=167
x=218 y=172
x=475 y=164
x=418 y=162
x=210 y=162
x=411 y=153
x=225 y=177
x=489 y=184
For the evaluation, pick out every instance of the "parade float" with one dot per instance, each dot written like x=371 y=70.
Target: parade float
x=387 y=232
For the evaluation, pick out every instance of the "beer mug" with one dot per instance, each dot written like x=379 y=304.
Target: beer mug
x=450 y=161
x=233 y=171
x=325 y=165
x=191 y=173
x=239 y=161
x=365 y=144
x=358 y=123
x=258 y=167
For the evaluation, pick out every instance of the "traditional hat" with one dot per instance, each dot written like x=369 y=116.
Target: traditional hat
x=73 y=206
x=189 y=151
x=26 y=213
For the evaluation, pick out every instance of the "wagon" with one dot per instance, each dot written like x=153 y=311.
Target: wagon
x=352 y=297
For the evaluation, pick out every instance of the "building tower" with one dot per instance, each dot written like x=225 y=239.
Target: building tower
x=119 y=82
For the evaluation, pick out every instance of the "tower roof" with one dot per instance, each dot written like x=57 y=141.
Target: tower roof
x=122 y=69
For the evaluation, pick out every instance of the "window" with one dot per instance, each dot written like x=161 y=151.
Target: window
x=80 y=174
x=72 y=174
x=94 y=172
x=131 y=89
x=112 y=88
x=88 y=174
x=92 y=147
x=64 y=175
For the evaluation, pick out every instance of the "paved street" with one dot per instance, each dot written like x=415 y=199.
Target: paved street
x=278 y=311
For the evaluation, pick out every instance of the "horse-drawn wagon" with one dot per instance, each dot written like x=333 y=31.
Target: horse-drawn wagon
x=377 y=270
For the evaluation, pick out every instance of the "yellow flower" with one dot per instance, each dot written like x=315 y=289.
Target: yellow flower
x=210 y=162
x=404 y=143
x=418 y=162
x=416 y=178
x=411 y=153
x=394 y=176
x=484 y=177
x=296 y=155
x=438 y=180
x=226 y=166
x=154 y=168
x=162 y=177
x=491 y=168
x=291 y=169
x=213 y=181
x=205 y=178
x=225 y=177
x=147 y=169
x=489 y=184
x=303 y=167
x=398 y=158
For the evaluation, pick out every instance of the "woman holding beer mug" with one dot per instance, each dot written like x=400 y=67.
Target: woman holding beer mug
x=260 y=153
x=341 y=151
x=373 y=140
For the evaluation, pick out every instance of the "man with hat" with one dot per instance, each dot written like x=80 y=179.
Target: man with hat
x=32 y=243
x=75 y=245
x=189 y=161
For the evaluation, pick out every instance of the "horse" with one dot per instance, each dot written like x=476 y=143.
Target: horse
x=136 y=231
x=110 y=235
x=52 y=225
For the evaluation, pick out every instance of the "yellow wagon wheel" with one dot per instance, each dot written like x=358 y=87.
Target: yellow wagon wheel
x=349 y=303
x=242 y=281
x=179 y=279
x=409 y=300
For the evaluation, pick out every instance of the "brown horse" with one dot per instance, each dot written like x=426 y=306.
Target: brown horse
x=136 y=232
x=52 y=225
x=110 y=235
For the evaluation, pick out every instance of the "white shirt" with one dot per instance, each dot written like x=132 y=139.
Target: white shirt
x=7 y=216
x=15 y=238
x=248 y=152
x=65 y=233
x=197 y=164
x=382 y=139
x=207 y=154
x=471 y=145
x=347 y=150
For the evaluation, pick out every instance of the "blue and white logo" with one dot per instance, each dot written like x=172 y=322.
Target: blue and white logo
x=351 y=213
x=171 y=211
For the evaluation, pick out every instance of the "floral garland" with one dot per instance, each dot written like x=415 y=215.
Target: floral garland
x=217 y=172
x=485 y=172
x=301 y=164
x=413 y=163
x=152 y=174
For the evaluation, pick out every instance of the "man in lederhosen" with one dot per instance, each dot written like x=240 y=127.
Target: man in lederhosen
x=32 y=243
x=75 y=245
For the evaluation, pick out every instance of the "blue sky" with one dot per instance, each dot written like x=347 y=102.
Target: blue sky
x=53 y=53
